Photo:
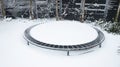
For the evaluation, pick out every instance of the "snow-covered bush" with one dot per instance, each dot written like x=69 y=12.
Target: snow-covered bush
x=111 y=27
x=115 y=28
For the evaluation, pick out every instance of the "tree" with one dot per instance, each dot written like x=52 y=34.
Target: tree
x=31 y=10
x=118 y=13
x=57 y=15
x=82 y=10
x=2 y=8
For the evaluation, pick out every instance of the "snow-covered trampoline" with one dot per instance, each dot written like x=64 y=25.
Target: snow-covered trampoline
x=64 y=35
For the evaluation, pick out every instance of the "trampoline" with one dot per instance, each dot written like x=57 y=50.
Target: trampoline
x=64 y=36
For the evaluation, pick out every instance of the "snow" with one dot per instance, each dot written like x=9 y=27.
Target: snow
x=14 y=52
x=64 y=33
x=97 y=5
x=8 y=19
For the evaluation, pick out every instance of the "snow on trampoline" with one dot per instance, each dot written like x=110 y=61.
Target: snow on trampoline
x=64 y=33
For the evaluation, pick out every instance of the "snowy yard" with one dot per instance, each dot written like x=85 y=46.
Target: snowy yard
x=14 y=52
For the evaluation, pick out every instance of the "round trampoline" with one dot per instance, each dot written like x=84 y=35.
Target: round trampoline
x=64 y=35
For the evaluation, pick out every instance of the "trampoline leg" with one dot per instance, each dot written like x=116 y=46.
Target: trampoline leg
x=100 y=46
x=68 y=54
x=28 y=43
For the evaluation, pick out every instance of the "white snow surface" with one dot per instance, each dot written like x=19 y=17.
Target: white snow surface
x=64 y=33
x=14 y=52
x=97 y=5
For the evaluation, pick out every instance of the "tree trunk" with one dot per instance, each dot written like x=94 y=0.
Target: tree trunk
x=83 y=10
x=2 y=9
x=60 y=10
x=31 y=10
x=118 y=13
x=57 y=15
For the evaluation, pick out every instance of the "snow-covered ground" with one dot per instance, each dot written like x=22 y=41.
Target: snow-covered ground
x=14 y=52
